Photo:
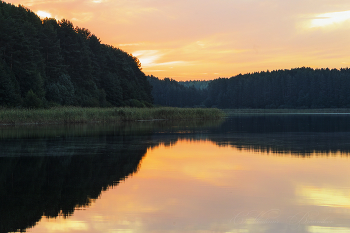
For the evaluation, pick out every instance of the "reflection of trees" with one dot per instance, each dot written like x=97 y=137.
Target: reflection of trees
x=296 y=134
x=52 y=170
x=286 y=134
x=36 y=186
x=294 y=143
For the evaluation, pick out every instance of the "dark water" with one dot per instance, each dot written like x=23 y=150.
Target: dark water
x=254 y=173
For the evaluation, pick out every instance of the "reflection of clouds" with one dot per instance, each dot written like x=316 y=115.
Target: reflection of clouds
x=323 y=196
x=322 y=229
x=208 y=169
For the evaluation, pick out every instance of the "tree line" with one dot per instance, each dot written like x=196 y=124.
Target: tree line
x=169 y=92
x=295 y=88
x=49 y=62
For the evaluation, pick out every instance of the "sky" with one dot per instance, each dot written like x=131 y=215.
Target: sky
x=207 y=39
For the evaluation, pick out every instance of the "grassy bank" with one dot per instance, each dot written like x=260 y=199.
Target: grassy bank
x=68 y=115
x=105 y=128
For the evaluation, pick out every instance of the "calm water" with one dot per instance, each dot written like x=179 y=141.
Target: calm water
x=272 y=173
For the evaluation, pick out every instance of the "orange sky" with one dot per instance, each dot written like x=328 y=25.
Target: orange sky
x=192 y=39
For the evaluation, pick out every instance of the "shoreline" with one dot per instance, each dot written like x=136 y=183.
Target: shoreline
x=74 y=115
x=78 y=115
x=325 y=111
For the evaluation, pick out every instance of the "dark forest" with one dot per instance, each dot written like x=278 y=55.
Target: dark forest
x=49 y=63
x=295 y=88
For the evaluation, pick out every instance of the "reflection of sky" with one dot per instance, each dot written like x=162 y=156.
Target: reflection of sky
x=200 y=187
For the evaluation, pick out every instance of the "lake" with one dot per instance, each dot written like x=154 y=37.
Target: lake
x=248 y=173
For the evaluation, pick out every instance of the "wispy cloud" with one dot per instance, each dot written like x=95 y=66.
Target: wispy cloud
x=43 y=14
x=131 y=44
x=170 y=63
x=148 y=57
x=38 y=2
x=83 y=16
x=331 y=18
x=151 y=58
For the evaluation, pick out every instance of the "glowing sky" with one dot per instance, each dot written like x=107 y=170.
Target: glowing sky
x=208 y=39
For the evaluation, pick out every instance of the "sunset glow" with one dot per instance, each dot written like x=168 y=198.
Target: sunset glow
x=328 y=19
x=187 y=40
x=43 y=14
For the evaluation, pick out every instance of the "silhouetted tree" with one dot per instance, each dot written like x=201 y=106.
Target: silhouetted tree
x=64 y=64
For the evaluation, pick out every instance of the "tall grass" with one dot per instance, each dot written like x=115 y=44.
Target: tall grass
x=61 y=115
x=106 y=128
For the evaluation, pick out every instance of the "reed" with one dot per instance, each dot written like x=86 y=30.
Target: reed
x=67 y=115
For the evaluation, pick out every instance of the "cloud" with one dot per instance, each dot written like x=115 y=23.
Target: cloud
x=131 y=44
x=83 y=16
x=150 y=58
x=147 y=57
x=43 y=14
x=331 y=18
x=64 y=225
x=38 y=2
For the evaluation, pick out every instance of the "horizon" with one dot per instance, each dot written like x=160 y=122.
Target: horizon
x=218 y=39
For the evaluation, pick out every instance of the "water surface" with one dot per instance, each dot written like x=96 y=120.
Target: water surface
x=258 y=173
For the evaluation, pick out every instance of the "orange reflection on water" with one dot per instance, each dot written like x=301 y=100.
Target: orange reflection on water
x=186 y=161
x=196 y=186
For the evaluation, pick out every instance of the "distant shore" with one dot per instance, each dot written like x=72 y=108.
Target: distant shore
x=70 y=115
x=287 y=111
